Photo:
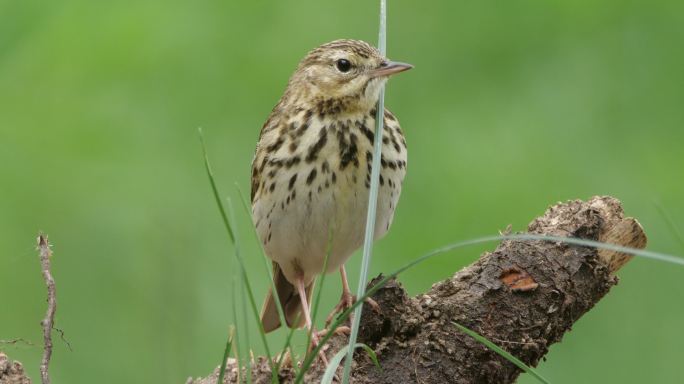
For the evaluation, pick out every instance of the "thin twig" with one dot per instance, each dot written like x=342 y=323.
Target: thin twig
x=61 y=336
x=49 y=320
x=18 y=340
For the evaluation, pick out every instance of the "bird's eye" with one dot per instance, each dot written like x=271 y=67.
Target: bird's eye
x=343 y=65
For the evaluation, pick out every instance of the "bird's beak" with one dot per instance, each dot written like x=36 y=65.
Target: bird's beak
x=388 y=68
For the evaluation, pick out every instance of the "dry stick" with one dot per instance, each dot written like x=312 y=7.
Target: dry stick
x=49 y=320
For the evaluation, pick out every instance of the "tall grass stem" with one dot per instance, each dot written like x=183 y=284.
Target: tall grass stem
x=372 y=200
x=243 y=299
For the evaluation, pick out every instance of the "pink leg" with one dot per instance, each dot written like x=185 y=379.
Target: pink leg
x=347 y=296
x=307 y=318
x=347 y=299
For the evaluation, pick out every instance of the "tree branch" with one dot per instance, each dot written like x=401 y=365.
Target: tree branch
x=524 y=296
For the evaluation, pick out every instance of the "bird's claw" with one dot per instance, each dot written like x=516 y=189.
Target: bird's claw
x=346 y=301
x=314 y=344
x=342 y=330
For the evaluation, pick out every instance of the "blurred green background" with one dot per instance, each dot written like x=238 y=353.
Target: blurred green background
x=512 y=106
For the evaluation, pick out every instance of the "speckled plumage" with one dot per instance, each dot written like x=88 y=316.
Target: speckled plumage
x=311 y=170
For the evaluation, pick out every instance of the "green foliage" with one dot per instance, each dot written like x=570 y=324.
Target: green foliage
x=315 y=306
x=226 y=354
x=511 y=107
x=246 y=288
x=334 y=363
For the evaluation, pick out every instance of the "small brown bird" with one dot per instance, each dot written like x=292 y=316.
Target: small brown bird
x=311 y=172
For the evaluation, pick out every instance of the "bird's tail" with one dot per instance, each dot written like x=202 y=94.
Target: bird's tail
x=289 y=299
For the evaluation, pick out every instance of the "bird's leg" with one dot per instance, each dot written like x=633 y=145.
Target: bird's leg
x=347 y=300
x=307 y=319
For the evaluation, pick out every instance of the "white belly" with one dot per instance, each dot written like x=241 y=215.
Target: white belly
x=297 y=221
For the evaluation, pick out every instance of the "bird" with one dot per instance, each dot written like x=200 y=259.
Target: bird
x=311 y=173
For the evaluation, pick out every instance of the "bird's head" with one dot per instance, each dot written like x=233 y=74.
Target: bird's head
x=347 y=73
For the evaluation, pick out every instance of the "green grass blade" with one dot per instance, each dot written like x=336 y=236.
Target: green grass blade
x=372 y=199
x=214 y=188
x=671 y=224
x=243 y=300
x=317 y=299
x=239 y=345
x=269 y=273
x=321 y=281
x=450 y=247
x=231 y=233
x=226 y=353
x=264 y=258
x=594 y=244
x=245 y=328
x=501 y=352
x=371 y=353
x=288 y=346
x=334 y=363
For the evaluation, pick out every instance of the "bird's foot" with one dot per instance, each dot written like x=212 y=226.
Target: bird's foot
x=346 y=301
x=315 y=341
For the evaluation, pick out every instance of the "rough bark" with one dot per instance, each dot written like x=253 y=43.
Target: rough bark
x=524 y=296
x=12 y=372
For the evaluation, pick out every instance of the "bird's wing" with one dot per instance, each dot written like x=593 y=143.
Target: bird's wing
x=261 y=154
